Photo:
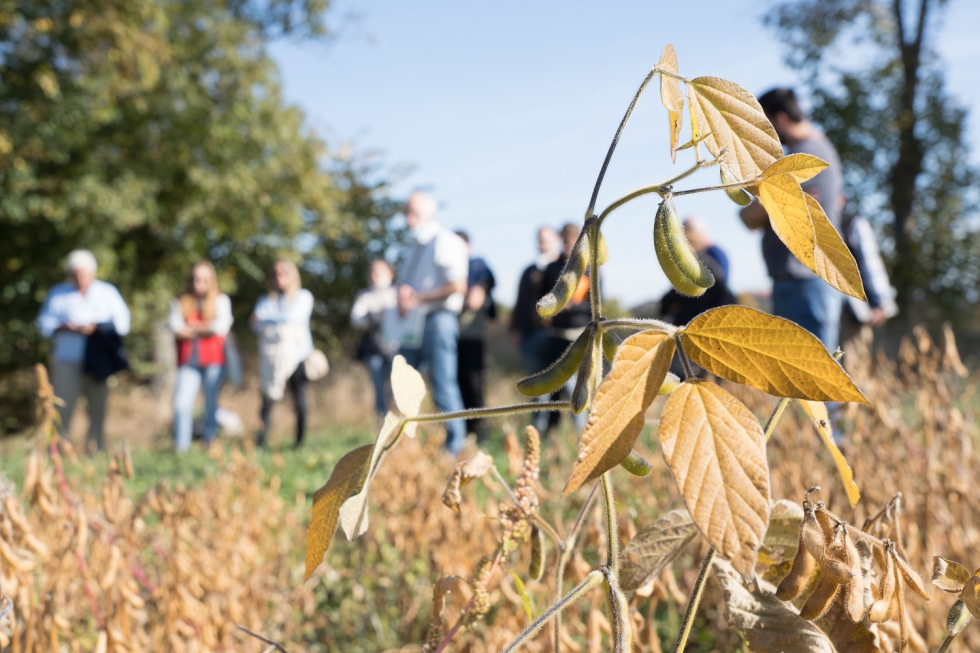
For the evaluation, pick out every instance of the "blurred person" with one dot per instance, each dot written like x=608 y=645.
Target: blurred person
x=368 y=314
x=860 y=238
x=282 y=321
x=680 y=309
x=797 y=293
x=478 y=309
x=431 y=291
x=564 y=328
x=200 y=320
x=85 y=319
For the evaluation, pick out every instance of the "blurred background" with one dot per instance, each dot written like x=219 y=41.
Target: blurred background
x=155 y=133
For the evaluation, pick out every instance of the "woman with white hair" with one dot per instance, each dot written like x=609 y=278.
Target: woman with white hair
x=75 y=314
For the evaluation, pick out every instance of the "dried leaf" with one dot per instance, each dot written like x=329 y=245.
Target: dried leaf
x=672 y=96
x=769 y=625
x=821 y=421
x=353 y=512
x=774 y=355
x=346 y=479
x=848 y=636
x=738 y=126
x=948 y=575
x=618 y=411
x=465 y=472
x=783 y=535
x=408 y=391
x=654 y=547
x=716 y=451
x=800 y=166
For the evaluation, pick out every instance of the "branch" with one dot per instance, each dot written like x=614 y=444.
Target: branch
x=275 y=645
x=694 y=601
x=565 y=551
x=594 y=578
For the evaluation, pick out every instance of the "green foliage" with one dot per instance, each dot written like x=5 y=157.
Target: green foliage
x=901 y=137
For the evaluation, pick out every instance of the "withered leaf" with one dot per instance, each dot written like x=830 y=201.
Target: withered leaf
x=408 y=391
x=817 y=413
x=948 y=575
x=465 y=472
x=783 y=535
x=654 y=547
x=716 y=450
x=353 y=512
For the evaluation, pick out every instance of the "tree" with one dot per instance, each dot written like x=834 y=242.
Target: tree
x=154 y=133
x=901 y=137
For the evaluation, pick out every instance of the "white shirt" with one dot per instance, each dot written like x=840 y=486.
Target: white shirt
x=220 y=325
x=437 y=257
x=370 y=306
x=100 y=304
x=296 y=311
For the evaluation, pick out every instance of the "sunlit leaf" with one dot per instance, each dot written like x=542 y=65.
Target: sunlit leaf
x=654 y=547
x=789 y=216
x=800 y=166
x=747 y=346
x=783 y=535
x=353 y=512
x=738 y=126
x=408 y=391
x=832 y=258
x=618 y=410
x=672 y=96
x=716 y=450
x=346 y=479
x=769 y=625
x=821 y=421
x=948 y=575
x=465 y=472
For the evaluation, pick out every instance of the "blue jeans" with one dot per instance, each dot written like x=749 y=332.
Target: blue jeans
x=438 y=354
x=189 y=380
x=379 y=367
x=812 y=304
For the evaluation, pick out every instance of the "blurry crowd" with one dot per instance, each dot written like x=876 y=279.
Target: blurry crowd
x=434 y=310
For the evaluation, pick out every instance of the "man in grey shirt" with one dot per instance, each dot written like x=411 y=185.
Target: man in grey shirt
x=797 y=293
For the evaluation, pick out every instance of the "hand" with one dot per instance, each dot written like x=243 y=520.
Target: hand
x=408 y=299
x=85 y=330
x=878 y=317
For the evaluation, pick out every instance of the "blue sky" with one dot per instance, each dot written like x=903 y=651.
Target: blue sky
x=505 y=111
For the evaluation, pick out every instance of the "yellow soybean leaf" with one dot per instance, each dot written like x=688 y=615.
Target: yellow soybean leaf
x=353 y=512
x=800 y=166
x=747 y=346
x=672 y=96
x=737 y=125
x=617 y=414
x=408 y=391
x=821 y=421
x=346 y=479
x=716 y=450
x=832 y=259
x=971 y=594
x=786 y=204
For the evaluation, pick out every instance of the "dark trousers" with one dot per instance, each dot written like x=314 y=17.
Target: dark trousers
x=470 y=376
x=297 y=384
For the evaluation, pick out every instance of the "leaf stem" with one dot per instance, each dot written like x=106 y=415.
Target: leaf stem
x=946 y=643
x=527 y=407
x=647 y=190
x=565 y=550
x=774 y=417
x=639 y=324
x=593 y=579
x=688 y=370
x=694 y=601
x=692 y=191
x=612 y=527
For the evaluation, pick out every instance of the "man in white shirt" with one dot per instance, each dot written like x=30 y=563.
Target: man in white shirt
x=431 y=288
x=71 y=313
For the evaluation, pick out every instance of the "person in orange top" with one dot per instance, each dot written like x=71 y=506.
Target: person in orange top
x=200 y=320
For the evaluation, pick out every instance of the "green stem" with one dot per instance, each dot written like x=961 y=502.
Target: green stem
x=946 y=643
x=774 y=417
x=647 y=190
x=692 y=191
x=527 y=407
x=612 y=527
x=694 y=601
x=639 y=324
x=565 y=550
x=688 y=370
x=592 y=580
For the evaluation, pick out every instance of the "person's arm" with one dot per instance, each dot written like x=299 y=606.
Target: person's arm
x=223 y=319
x=754 y=216
x=301 y=309
x=476 y=297
x=177 y=323
x=360 y=312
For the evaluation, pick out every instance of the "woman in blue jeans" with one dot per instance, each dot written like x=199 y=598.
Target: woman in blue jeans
x=368 y=315
x=200 y=320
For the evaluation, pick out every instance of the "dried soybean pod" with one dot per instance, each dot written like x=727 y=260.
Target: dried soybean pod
x=636 y=464
x=610 y=344
x=552 y=303
x=912 y=577
x=804 y=564
x=536 y=568
x=821 y=599
x=900 y=605
x=812 y=536
x=584 y=386
x=554 y=376
x=738 y=195
x=855 y=588
x=685 y=271
x=880 y=609
x=835 y=564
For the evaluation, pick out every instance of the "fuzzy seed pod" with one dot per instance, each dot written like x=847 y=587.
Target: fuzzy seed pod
x=821 y=599
x=881 y=608
x=912 y=577
x=552 y=303
x=554 y=376
x=636 y=464
x=585 y=383
x=685 y=271
x=738 y=195
x=804 y=566
x=536 y=568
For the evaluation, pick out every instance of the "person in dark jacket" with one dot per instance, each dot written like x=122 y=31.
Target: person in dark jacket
x=680 y=309
x=478 y=310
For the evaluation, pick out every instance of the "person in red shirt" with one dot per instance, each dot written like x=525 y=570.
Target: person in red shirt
x=200 y=320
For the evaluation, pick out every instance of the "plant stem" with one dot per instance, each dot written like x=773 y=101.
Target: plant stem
x=565 y=550
x=688 y=370
x=527 y=407
x=774 y=417
x=592 y=580
x=694 y=601
x=647 y=190
x=639 y=324
x=537 y=519
x=615 y=141
x=946 y=643
x=612 y=527
x=692 y=191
